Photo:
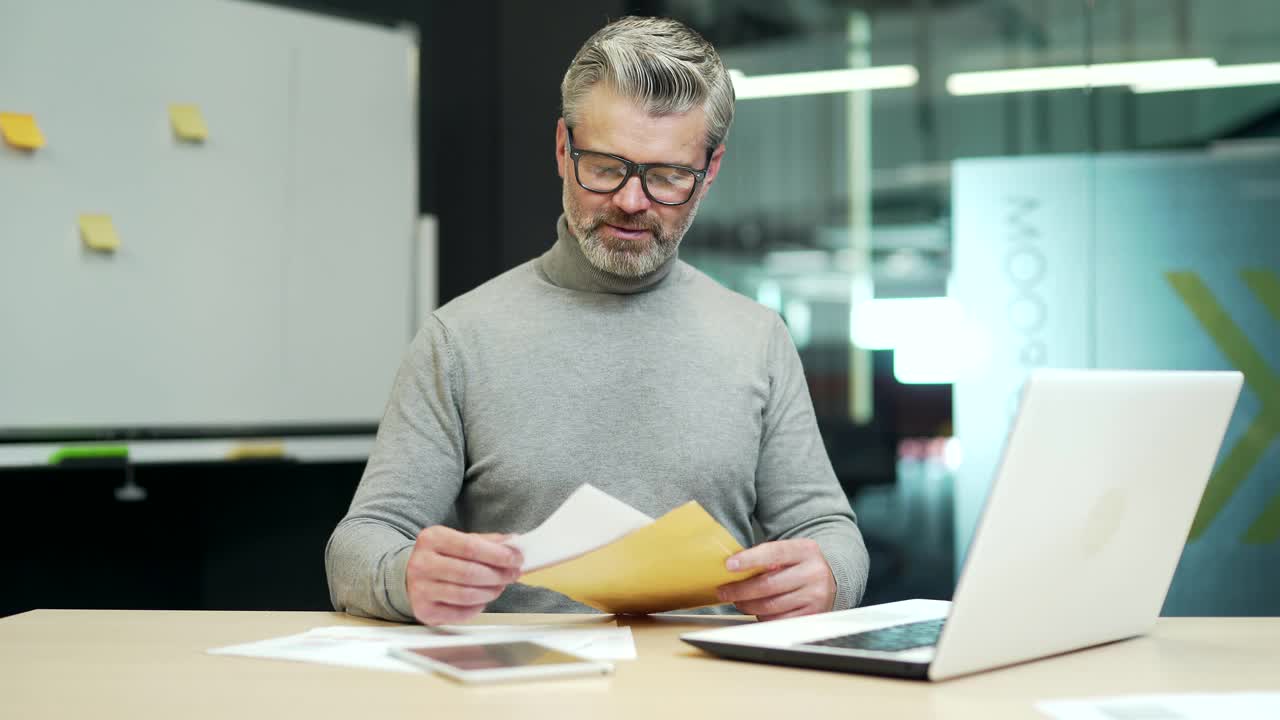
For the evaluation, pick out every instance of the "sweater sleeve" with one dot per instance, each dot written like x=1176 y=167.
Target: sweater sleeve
x=412 y=481
x=797 y=494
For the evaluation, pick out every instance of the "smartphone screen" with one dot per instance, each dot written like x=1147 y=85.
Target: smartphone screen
x=496 y=656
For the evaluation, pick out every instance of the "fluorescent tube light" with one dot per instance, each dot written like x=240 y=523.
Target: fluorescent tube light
x=747 y=87
x=1075 y=76
x=1220 y=76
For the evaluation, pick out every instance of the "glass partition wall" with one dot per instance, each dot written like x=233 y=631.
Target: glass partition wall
x=940 y=195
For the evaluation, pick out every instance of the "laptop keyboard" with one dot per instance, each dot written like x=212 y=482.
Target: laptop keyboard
x=890 y=639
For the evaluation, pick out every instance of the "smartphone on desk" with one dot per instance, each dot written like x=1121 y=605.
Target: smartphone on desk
x=501 y=662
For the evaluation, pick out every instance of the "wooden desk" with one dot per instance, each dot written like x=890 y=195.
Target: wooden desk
x=152 y=664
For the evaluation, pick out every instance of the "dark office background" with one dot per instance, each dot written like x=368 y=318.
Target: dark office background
x=251 y=535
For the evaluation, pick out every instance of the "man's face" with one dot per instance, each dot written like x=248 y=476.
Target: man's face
x=624 y=232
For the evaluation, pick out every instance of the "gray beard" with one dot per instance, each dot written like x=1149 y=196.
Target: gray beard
x=627 y=263
x=624 y=263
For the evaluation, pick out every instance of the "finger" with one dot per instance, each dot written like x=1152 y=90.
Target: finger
x=798 y=612
x=765 y=585
x=779 y=552
x=496 y=537
x=462 y=595
x=463 y=572
x=442 y=613
x=465 y=546
x=776 y=605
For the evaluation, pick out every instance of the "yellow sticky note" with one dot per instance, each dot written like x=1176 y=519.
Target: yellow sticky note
x=188 y=123
x=99 y=233
x=21 y=131
x=676 y=562
x=256 y=451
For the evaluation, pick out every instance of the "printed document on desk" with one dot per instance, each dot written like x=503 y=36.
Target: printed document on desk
x=607 y=555
x=367 y=647
x=1188 y=706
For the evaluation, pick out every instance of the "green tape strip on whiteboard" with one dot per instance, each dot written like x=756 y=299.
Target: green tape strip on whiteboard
x=89 y=452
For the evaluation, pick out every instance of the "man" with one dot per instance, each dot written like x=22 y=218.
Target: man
x=606 y=360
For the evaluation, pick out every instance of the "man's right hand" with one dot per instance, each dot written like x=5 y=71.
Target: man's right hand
x=452 y=575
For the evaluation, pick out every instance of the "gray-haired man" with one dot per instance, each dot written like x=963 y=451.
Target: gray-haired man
x=606 y=360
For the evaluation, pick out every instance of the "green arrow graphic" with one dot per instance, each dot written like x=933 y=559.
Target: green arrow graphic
x=1235 y=346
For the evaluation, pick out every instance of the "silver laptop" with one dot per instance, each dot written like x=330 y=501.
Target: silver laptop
x=1100 y=479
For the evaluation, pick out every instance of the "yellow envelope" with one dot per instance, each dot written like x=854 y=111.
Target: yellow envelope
x=20 y=130
x=99 y=233
x=675 y=563
x=188 y=123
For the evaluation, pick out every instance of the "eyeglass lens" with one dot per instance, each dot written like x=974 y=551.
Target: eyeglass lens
x=666 y=183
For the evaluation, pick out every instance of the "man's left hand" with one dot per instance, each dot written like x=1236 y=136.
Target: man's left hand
x=796 y=580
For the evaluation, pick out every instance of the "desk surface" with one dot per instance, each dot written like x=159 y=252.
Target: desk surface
x=152 y=664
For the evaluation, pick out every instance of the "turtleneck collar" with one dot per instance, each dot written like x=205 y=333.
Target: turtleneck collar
x=566 y=266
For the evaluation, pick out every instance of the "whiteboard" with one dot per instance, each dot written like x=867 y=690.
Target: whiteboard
x=265 y=277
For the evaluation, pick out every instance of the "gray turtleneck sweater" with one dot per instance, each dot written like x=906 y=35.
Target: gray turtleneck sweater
x=657 y=390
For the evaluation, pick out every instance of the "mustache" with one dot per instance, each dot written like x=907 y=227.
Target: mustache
x=640 y=221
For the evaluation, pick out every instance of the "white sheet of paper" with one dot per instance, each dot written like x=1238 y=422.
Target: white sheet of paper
x=366 y=647
x=1190 y=706
x=588 y=519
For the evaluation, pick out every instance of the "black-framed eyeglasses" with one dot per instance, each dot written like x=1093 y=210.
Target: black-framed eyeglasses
x=664 y=184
